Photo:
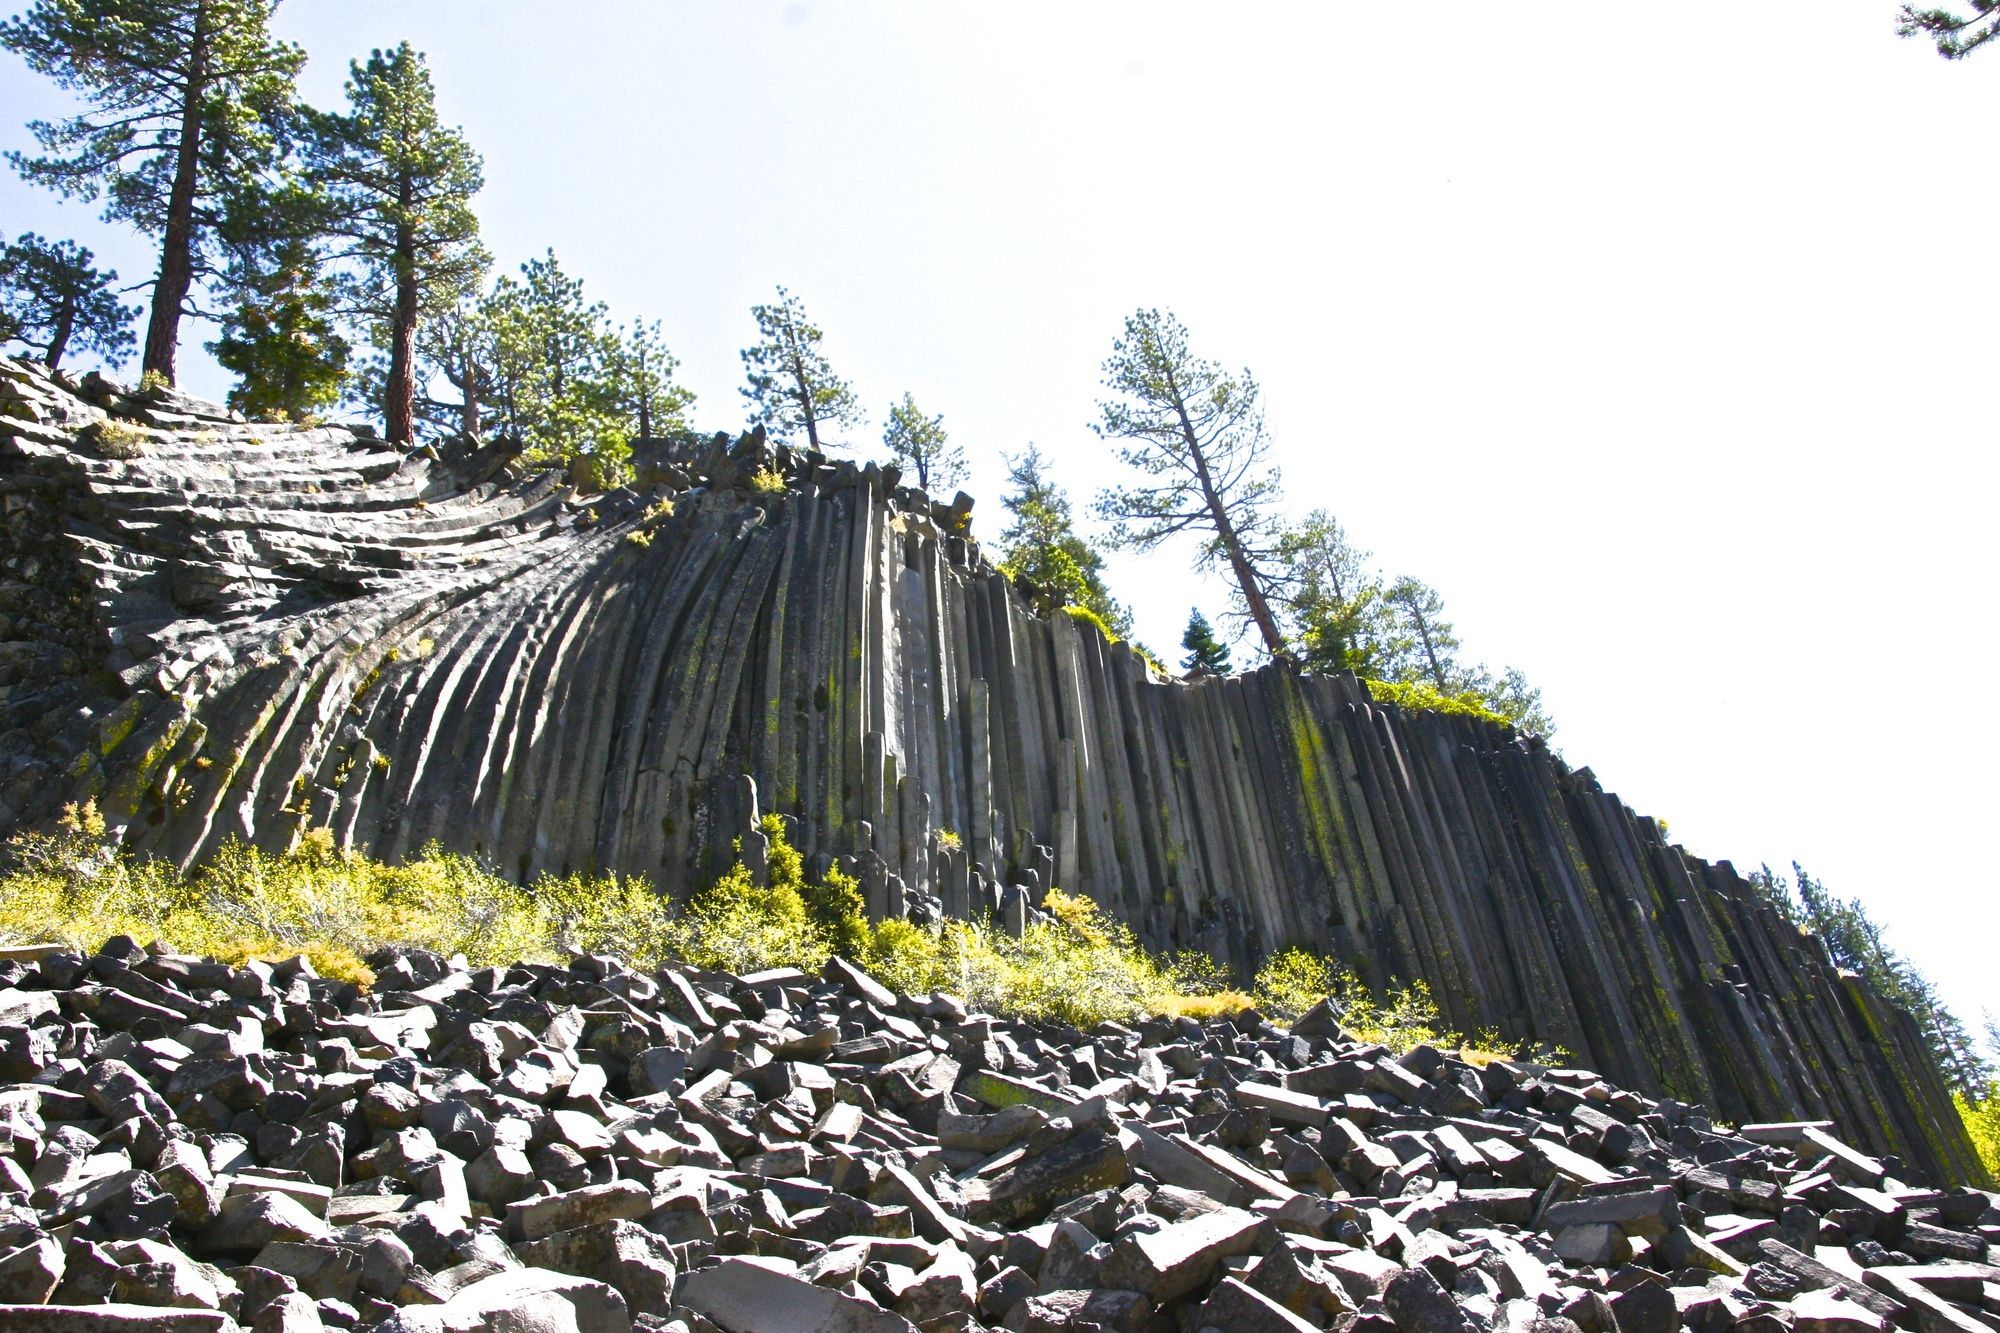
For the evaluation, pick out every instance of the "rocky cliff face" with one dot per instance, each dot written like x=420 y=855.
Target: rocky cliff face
x=228 y=630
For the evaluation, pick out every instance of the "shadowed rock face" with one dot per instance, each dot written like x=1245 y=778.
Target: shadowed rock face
x=250 y=630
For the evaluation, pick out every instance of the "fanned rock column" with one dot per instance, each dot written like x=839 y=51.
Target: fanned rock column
x=224 y=630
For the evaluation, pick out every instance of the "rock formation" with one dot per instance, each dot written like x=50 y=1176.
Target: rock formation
x=226 y=630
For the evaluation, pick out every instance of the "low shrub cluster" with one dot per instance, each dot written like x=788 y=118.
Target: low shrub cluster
x=1982 y=1124
x=333 y=907
x=1076 y=966
x=1293 y=980
x=1429 y=699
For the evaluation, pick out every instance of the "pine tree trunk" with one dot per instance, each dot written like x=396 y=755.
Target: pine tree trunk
x=806 y=402
x=468 y=420
x=65 y=325
x=1430 y=652
x=399 y=409
x=645 y=398
x=1232 y=545
x=177 y=246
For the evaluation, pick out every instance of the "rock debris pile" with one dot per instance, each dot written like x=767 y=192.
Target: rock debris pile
x=187 y=1145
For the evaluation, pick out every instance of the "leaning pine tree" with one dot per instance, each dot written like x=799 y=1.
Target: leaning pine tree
x=189 y=104
x=1197 y=434
x=790 y=385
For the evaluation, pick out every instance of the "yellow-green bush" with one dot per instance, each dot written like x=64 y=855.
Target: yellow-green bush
x=1427 y=698
x=1982 y=1124
x=1078 y=967
x=1090 y=617
x=1293 y=980
x=120 y=439
x=332 y=906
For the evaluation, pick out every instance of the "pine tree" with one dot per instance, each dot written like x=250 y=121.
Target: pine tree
x=400 y=187
x=642 y=371
x=190 y=101
x=282 y=340
x=1197 y=433
x=1041 y=543
x=1334 y=601
x=553 y=356
x=1206 y=653
x=1854 y=942
x=791 y=387
x=1421 y=643
x=456 y=346
x=53 y=298
x=921 y=444
x=1957 y=35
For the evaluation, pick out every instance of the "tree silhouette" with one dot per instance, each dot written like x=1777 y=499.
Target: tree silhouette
x=791 y=385
x=1197 y=433
x=1206 y=653
x=191 y=101
x=51 y=297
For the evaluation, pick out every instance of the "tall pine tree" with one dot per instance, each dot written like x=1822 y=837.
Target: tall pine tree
x=190 y=102
x=399 y=186
x=1196 y=434
x=791 y=387
x=921 y=444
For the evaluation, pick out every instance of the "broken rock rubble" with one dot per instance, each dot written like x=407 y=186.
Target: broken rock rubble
x=185 y=1145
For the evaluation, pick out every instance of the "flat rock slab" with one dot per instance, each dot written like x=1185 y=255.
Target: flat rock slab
x=110 y=1319
x=532 y=1219
x=1183 y=1255
x=520 y=1300
x=746 y=1297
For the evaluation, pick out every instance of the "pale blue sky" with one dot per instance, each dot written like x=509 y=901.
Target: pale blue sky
x=1650 y=336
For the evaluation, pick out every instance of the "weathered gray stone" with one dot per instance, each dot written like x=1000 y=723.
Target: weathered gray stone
x=618 y=1253
x=111 y=1318
x=1419 y=1305
x=1178 y=1258
x=745 y=1297
x=1090 y=1161
x=532 y=1219
x=1238 y=1308
x=522 y=1300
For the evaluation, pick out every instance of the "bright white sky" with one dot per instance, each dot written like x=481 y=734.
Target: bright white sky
x=1648 y=335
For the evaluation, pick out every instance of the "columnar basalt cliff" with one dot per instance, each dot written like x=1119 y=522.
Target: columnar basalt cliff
x=225 y=630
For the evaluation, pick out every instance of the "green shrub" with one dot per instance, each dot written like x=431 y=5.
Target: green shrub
x=120 y=439
x=736 y=925
x=1090 y=617
x=1293 y=980
x=767 y=481
x=1982 y=1124
x=1429 y=699
x=1075 y=966
x=332 y=906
